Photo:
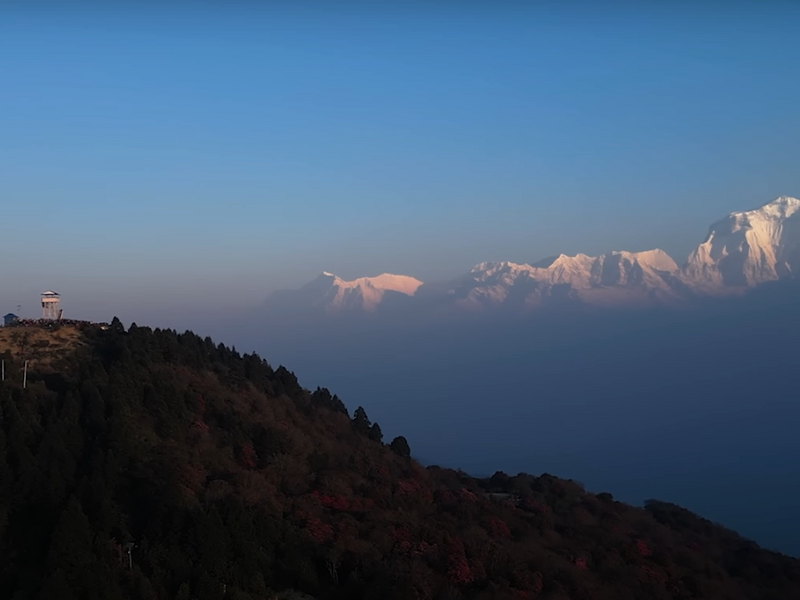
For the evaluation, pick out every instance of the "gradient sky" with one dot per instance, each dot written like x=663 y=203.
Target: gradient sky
x=150 y=157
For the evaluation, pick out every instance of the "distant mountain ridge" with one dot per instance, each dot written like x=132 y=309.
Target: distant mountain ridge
x=330 y=293
x=643 y=276
x=740 y=252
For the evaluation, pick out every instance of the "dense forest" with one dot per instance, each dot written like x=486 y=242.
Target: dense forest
x=147 y=464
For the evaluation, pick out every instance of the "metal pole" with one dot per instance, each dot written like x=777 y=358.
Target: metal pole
x=25 y=376
x=4 y=370
x=128 y=548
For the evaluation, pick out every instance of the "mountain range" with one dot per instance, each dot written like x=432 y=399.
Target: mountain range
x=740 y=252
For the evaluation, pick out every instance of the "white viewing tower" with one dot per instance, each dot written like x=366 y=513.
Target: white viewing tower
x=50 y=306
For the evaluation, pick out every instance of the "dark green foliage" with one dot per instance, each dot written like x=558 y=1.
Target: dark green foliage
x=71 y=558
x=400 y=446
x=323 y=397
x=365 y=427
x=231 y=481
x=375 y=433
x=361 y=422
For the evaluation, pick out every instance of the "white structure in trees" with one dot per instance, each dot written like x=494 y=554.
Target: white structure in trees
x=50 y=308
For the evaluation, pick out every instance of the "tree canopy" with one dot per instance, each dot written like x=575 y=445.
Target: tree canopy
x=151 y=465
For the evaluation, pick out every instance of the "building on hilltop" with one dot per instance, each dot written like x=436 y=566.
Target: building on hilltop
x=50 y=310
x=10 y=319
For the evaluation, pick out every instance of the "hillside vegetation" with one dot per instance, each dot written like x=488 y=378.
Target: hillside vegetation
x=156 y=465
x=43 y=347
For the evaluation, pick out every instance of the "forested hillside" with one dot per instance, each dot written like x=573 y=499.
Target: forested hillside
x=153 y=465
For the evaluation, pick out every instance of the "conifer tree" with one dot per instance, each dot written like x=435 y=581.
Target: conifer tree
x=361 y=422
x=400 y=446
x=375 y=433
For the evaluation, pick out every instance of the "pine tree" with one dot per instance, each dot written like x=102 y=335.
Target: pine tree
x=361 y=422
x=375 y=433
x=400 y=446
x=117 y=326
x=71 y=551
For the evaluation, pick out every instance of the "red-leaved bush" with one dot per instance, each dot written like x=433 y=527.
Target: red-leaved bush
x=247 y=456
x=530 y=505
x=498 y=528
x=643 y=549
x=320 y=532
x=458 y=571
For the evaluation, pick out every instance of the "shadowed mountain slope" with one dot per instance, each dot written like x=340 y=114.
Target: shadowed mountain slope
x=226 y=479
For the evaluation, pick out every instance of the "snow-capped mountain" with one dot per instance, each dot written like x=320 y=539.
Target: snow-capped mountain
x=741 y=251
x=748 y=248
x=614 y=278
x=333 y=294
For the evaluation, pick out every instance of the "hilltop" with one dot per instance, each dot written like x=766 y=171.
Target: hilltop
x=163 y=465
x=43 y=344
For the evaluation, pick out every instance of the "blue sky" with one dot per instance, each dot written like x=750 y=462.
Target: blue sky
x=150 y=156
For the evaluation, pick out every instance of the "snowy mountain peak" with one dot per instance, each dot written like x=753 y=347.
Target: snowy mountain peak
x=747 y=248
x=388 y=282
x=332 y=294
x=779 y=209
x=608 y=278
x=743 y=250
x=785 y=205
x=495 y=266
x=656 y=259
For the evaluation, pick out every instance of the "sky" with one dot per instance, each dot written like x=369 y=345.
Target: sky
x=166 y=164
